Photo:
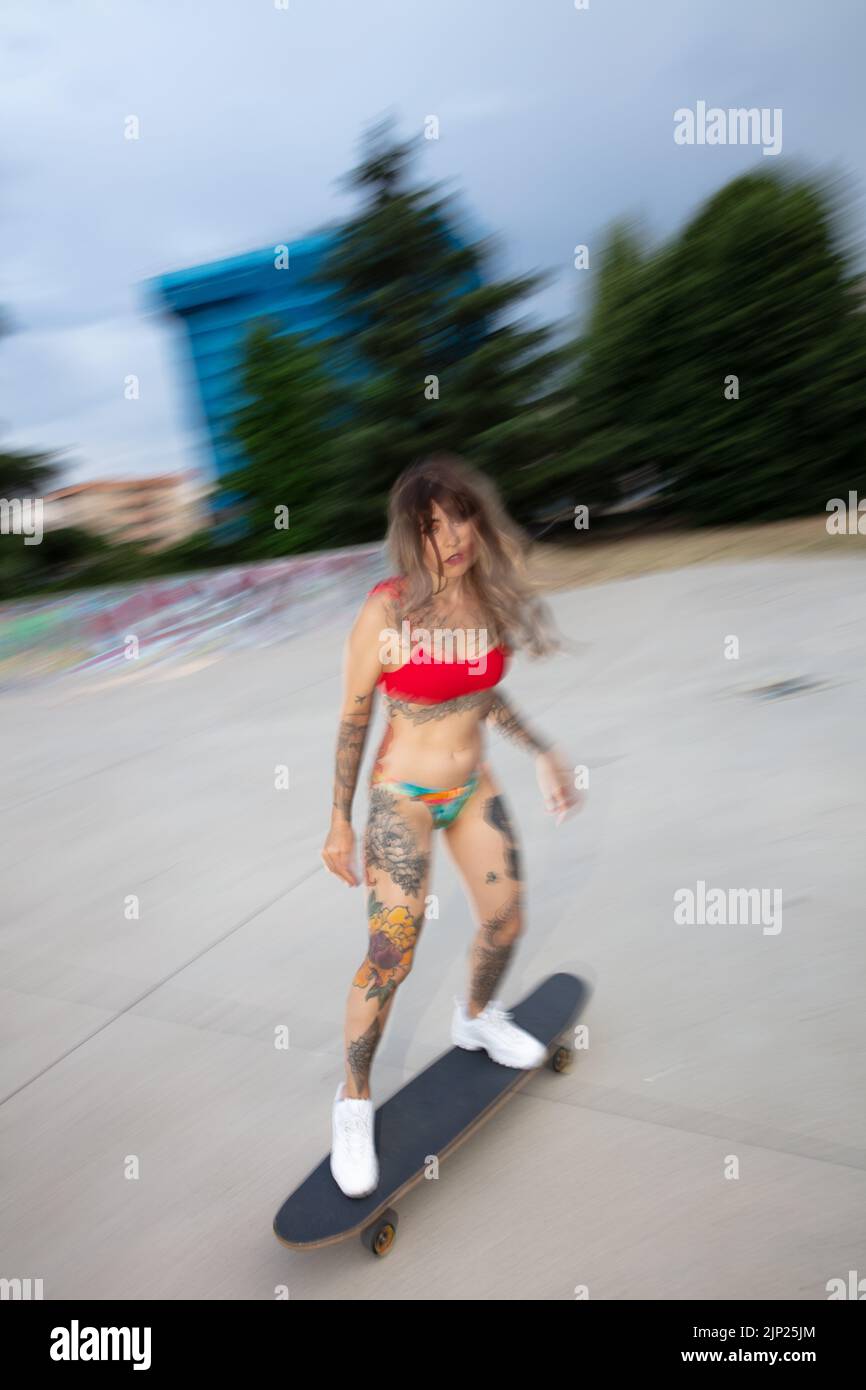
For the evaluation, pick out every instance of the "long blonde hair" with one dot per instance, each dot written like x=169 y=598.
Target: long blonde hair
x=508 y=600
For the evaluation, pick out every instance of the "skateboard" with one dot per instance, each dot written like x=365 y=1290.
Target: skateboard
x=431 y=1115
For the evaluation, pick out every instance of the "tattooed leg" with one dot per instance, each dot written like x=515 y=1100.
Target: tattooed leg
x=393 y=934
x=484 y=847
x=396 y=867
x=359 y=1055
x=496 y=815
x=392 y=843
x=491 y=953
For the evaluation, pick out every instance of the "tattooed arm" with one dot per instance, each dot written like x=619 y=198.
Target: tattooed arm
x=555 y=778
x=361 y=667
x=503 y=718
x=351 y=739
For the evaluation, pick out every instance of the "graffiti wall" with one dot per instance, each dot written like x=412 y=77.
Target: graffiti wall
x=96 y=629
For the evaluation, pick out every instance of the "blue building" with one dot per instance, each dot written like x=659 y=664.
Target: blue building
x=217 y=303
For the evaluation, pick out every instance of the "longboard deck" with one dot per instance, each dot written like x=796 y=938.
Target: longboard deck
x=428 y=1116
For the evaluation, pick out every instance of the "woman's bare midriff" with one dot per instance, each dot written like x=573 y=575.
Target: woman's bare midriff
x=438 y=751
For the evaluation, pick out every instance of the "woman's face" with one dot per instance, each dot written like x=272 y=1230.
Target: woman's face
x=456 y=542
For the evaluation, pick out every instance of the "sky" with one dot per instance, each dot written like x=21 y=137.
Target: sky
x=554 y=121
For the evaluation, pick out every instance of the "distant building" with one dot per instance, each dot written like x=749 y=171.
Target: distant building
x=150 y=512
x=218 y=304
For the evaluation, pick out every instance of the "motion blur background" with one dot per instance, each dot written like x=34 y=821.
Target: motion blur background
x=257 y=259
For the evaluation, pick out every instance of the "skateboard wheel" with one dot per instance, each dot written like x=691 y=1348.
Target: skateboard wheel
x=561 y=1059
x=381 y=1233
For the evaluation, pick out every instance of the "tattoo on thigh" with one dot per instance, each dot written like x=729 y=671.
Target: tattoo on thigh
x=360 y=1053
x=496 y=815
x=390 y=844
x=393 y=936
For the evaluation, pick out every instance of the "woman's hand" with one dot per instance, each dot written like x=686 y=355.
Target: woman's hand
x=339 y=852
x=556 y=781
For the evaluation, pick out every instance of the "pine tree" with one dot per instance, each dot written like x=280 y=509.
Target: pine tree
x=289 y=430
x=429 y=339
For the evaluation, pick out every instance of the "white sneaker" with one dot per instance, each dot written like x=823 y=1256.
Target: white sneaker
x=494 y=1031
x=354 y=1165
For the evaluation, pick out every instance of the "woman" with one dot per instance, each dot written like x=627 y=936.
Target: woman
x=460 y=589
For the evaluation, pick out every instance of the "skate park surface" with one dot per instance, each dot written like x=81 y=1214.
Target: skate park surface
x=167 y=914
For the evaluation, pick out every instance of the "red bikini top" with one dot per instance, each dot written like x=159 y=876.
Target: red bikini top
x=433 y=680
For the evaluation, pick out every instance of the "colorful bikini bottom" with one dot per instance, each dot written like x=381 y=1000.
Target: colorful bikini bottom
x=445 y=803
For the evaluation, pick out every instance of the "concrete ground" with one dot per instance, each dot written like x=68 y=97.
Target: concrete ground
x=713 y=1049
